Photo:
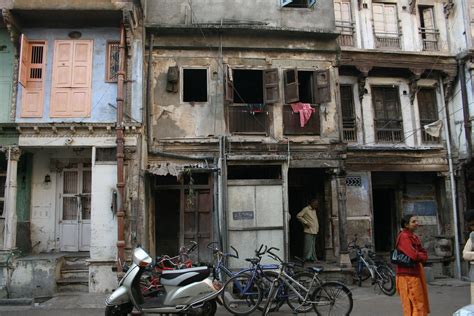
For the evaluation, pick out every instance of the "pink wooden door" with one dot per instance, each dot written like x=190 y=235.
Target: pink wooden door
x=72 y=72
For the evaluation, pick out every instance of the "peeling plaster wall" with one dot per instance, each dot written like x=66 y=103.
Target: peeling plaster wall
x=173 y=118
x=179 y=12
x=359 y=207
x=103 y=93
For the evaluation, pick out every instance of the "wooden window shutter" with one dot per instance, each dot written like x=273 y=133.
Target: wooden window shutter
x=379 y=17
x=390 y=18
x=228 y=85
x=24 y=60
x=322 y=86
x=271 y=91
x=291 y=86
x=72 y=72
x=31 y=72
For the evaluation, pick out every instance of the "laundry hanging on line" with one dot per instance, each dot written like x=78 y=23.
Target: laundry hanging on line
x=256 y=108
x=305 y=110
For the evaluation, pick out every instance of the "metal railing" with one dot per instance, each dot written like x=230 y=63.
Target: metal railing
x=346 y=31
x=387 y=40
x=390 y=131
x=349 y=130
x=429 y=38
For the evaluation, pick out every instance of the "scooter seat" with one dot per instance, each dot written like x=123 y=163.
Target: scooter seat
x=184 y=277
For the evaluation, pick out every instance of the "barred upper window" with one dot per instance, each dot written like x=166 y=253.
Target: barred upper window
x=113 y=54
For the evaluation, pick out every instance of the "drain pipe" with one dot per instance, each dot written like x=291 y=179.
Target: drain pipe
x=120 y=154
x=457 y=270
x=222 y=176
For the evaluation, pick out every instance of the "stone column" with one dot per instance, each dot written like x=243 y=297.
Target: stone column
x=344 y=259
x=13 y=155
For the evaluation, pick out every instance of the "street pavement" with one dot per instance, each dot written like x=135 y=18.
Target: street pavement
x=446 y=296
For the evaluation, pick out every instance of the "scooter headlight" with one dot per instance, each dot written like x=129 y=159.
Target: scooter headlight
x=144 y=263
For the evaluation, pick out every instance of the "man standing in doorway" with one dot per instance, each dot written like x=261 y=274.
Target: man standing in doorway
x=309 y=219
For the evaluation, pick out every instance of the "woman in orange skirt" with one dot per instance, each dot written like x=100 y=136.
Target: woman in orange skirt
x=411 y=282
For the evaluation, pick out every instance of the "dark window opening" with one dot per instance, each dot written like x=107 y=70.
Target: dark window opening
x=298 y=3
x=428 y=112
x=248 y=86
x=348 y=114
x=388 y=116
x=305 y=88
x=106 y=154
x=253 y=172
x=194 y=85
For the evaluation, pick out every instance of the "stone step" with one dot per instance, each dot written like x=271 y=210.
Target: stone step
x=73 y=285
x=74 y=273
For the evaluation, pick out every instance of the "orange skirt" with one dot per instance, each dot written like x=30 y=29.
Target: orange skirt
x=413 y=294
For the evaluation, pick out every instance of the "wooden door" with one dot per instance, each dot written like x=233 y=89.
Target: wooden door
x=197 y=217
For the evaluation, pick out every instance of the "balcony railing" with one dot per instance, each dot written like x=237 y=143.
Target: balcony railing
x=389 y=131
x=429 y=38
x=349 y=130
x=244 y=120
x=387 y=40
x=292 y=126
x=346 y=31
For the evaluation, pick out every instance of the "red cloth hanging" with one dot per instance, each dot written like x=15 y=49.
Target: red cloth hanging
x=305 y=110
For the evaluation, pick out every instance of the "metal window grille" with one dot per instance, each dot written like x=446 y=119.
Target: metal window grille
x=113 y=54
x=353 y=181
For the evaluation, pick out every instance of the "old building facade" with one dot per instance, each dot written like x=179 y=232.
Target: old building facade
x=229 y=160
x=71 y=124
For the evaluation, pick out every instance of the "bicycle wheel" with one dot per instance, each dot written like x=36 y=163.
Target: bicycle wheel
x=241 y=294
x=294 y=300
x=333 y=298
x=385 y=280
x=272 y=295
x=265 y=283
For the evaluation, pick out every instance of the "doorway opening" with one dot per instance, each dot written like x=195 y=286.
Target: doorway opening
x=183 y=213
x=303 y=185
x=384 y=218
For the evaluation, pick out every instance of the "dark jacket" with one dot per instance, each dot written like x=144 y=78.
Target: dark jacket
x=410 y=244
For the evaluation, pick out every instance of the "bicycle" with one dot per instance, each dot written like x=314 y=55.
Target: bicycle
x=307 y=291
x=245 y=290
x=367 y=266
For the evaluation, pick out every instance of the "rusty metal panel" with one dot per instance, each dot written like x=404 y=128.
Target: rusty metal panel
x=271 y=90
x=322 y=86
x=292 y=126
x=291 y=86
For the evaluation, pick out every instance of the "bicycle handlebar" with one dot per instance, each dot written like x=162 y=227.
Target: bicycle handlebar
x=274 y=255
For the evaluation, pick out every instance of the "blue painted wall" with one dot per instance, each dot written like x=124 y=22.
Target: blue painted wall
x=103 y=93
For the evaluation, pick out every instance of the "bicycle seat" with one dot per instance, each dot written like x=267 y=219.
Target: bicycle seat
x=315 y=269
x=253 y=260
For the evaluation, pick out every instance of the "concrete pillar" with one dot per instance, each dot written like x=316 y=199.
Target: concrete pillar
x=344 y=259
x=13 y=155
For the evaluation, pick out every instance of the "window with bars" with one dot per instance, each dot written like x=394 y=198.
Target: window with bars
x=428 y=111
x=428 y=31
x=31 y=76
x=386 y=28
x=112 y=64
x=388 y=121
x=344 y=24
x=348 y=114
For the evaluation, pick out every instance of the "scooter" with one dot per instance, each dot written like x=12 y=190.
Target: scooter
x=187 y=291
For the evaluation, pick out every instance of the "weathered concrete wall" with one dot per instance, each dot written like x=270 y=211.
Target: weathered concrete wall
x=34 y=276
x=173 y=118
x=103 y=93
x=269 y=13
x=60 y=5
x=359 y=206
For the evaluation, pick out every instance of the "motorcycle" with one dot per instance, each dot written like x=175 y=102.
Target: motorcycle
x=188 y=291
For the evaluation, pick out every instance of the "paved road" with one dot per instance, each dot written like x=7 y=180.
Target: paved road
x=445 y=297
